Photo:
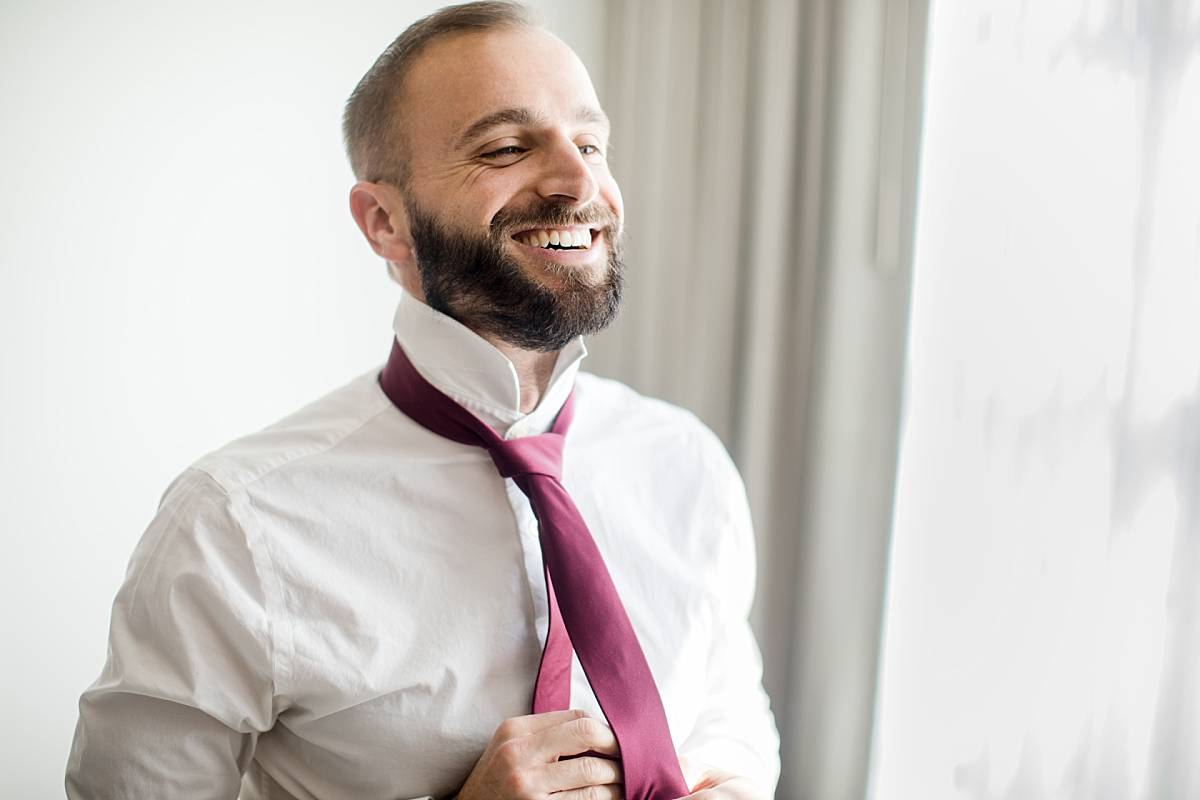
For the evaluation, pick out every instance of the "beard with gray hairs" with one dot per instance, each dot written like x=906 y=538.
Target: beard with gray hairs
x=473 y=280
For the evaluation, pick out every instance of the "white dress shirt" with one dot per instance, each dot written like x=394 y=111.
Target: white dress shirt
x=345 y=605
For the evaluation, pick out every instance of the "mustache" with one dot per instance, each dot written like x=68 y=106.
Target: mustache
x=550 y=214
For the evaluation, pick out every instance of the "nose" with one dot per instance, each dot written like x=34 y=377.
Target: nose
x=566 y=175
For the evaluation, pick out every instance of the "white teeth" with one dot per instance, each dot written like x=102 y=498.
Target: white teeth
x=565 y=238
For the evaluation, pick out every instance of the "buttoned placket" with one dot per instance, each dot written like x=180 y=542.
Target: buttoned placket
x=531 y=550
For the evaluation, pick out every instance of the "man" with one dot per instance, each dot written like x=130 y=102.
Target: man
x=356 y=603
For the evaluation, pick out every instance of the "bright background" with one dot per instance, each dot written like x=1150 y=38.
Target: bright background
x=1043 y=614
x=178 y=267
x=977 y=516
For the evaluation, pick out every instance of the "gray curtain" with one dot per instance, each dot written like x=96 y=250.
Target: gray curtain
x=767 y=153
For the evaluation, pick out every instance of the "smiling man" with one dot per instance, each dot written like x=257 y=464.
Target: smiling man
x=476 y=571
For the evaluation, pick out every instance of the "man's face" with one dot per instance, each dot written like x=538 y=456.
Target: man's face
x=507 y=153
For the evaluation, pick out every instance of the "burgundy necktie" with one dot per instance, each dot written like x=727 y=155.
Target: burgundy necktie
x=577 y=584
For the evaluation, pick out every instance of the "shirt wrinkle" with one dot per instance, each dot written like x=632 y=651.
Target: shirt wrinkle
x=278 y=665
x=223 y=474
x=379 y=604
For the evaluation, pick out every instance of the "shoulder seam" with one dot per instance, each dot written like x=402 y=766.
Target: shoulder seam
x=230 y=498
x=259 y=538
x=227 y=484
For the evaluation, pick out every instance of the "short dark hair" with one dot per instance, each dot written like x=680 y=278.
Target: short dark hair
x=372 y=118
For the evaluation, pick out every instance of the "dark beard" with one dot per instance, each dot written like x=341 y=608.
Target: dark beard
x=474 y=281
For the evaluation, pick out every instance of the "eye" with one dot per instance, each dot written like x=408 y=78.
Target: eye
x=510 y=150
x=590 y=150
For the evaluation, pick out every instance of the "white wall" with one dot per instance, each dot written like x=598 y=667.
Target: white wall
x=177 y=267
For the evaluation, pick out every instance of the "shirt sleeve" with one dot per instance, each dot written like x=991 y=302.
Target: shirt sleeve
x=735 y=730
x=189 y=682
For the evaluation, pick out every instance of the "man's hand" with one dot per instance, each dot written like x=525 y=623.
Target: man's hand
x=521 y=761
x=709 y=783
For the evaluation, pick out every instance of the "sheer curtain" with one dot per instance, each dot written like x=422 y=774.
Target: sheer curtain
x=1042 y=630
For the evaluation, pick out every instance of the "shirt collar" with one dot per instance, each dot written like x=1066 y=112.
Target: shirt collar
x=466 y=367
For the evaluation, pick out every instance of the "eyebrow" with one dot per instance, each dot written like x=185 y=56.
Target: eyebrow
x=523 y=116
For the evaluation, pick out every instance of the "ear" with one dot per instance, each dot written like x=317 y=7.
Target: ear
x=379 y=211
x=381 y=215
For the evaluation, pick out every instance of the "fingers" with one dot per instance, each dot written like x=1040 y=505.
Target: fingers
x=593 y=793
x=729 y=787
x=693 y=772
x=522 y=759
x=574 y=736
x=534 y=723
x=583 y=772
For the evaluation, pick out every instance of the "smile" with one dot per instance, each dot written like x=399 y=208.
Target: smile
x=573 y=238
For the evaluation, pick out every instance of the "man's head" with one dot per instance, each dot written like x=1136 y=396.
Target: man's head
x=476 y=137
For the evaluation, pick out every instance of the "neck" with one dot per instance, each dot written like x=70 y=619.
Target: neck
x=534 y=369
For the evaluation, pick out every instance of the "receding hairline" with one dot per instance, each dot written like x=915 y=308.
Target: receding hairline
x=404 y=82
x=372 y=125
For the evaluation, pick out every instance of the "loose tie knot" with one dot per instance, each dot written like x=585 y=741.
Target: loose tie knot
x=426 y=405
x=586 y=616
x=530 y=455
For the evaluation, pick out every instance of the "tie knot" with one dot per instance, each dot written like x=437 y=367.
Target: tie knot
x=529 y=455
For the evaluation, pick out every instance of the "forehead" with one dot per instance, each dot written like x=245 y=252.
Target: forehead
x=462 y=78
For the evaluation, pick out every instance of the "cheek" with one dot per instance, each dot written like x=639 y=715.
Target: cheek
x=492 y=197
x=477 y=211
x=475 y=200
x=610 y=193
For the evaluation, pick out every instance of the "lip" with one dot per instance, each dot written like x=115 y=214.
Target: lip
x=569 y=257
